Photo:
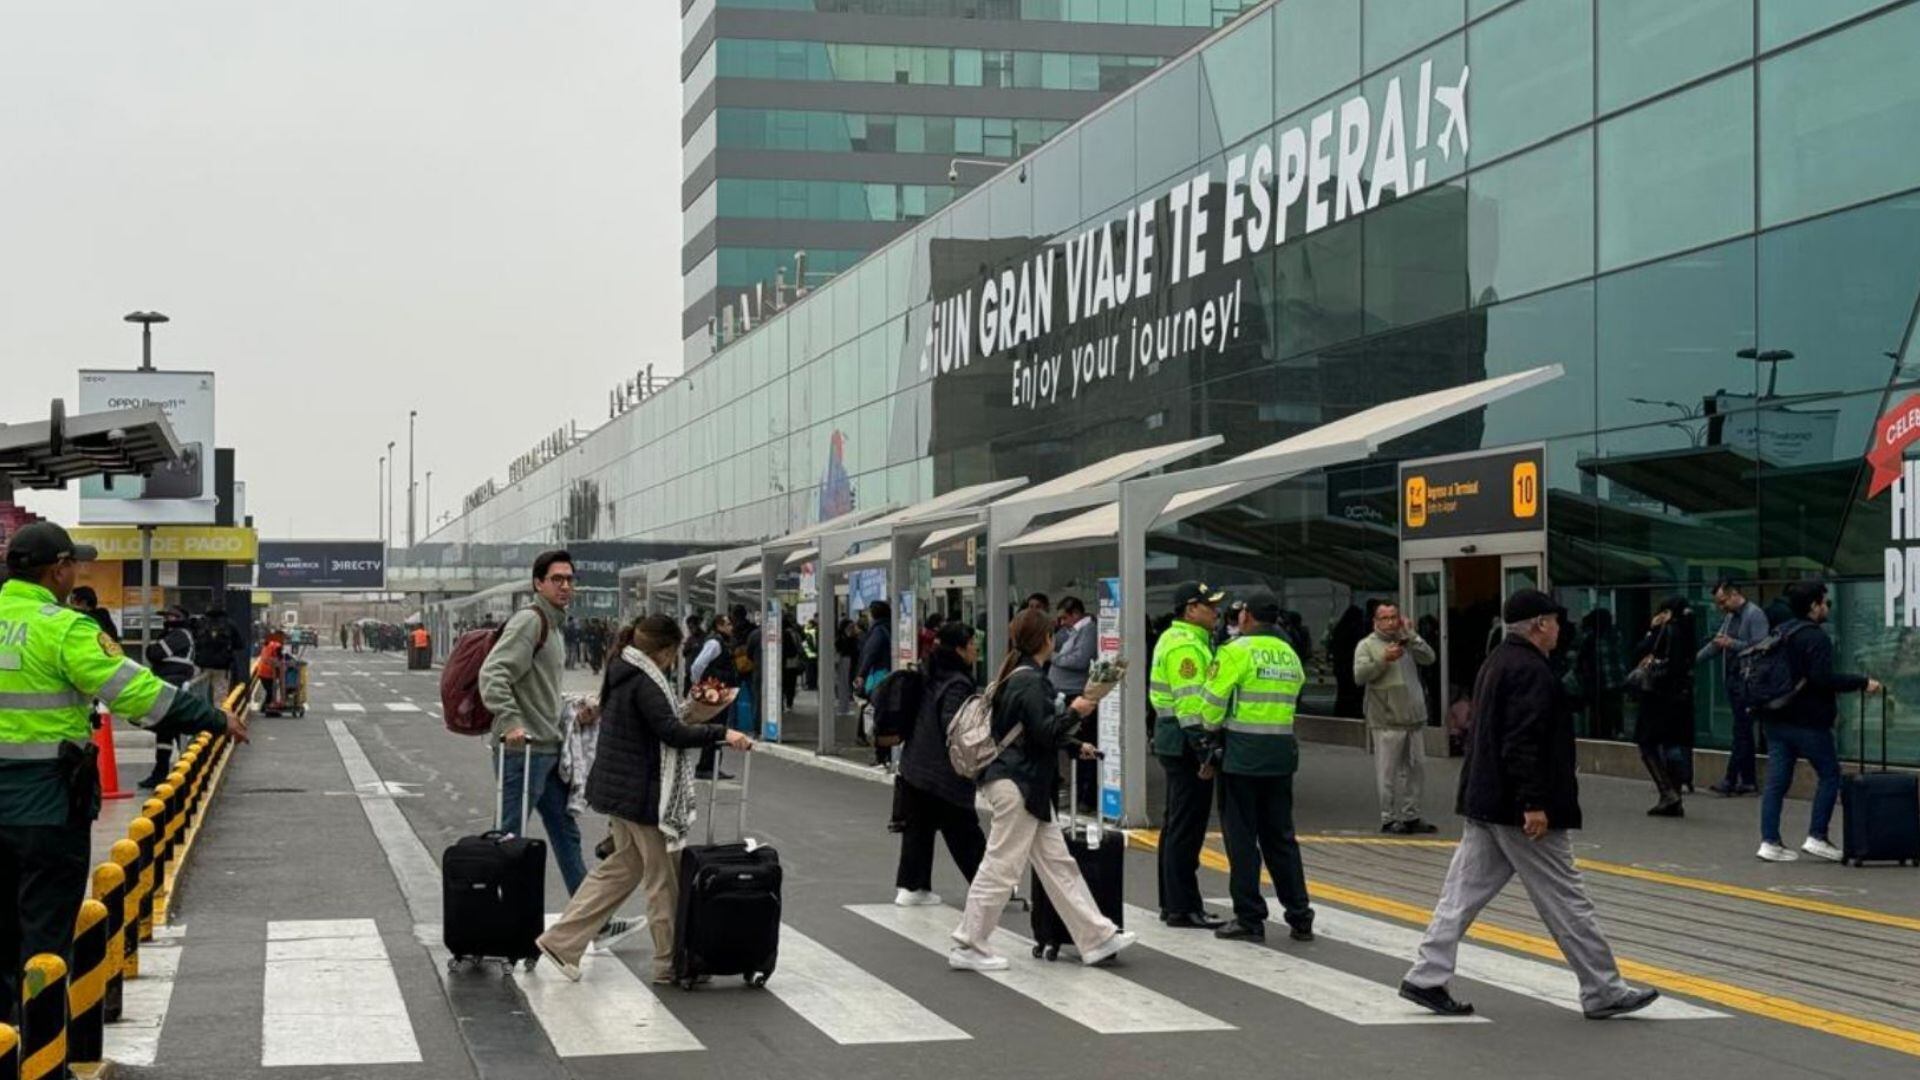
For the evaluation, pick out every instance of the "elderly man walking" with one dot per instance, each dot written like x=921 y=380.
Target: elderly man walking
x=1520 y=796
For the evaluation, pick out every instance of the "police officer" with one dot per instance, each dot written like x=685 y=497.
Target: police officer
x=1180 y=661
x=1247 y=707
x=53 y=662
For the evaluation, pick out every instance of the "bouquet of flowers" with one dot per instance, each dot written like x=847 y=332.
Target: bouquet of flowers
x=1103 y=676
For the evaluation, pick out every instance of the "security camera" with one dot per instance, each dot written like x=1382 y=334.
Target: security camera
x=953 y=174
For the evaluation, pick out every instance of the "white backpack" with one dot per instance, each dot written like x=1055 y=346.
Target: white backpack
x=971 y=746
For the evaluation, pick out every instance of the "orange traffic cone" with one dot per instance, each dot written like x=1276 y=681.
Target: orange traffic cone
x=109 y=765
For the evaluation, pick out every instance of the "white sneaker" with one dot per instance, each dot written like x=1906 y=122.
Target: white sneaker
x=966 y=959
x=1820 y=849
x=916 y=898
x=613 y=933
x=1773 y=852
x=570 y=971
x=1108 y=948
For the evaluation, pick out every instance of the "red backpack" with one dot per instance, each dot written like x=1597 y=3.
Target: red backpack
x=460 y=704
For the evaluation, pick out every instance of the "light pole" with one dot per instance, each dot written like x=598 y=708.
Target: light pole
x=411 y=415
x=146 y=319
x=390 y=536
x=380 y=507
x=427 y=511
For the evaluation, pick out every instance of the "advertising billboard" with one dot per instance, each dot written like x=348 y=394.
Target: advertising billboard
x=183 y=493
x=355 y=565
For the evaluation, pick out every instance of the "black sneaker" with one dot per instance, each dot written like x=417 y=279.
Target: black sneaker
x=1435 y=998
x=1198 y=920
x=1419 y=827
x=1301 y=931
x=1393 y=828
x=1632 y=1003
x=1240 y=931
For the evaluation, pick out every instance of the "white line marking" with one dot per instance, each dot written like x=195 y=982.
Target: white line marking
x=609 y=1011
x=1093 y=997
x=1317 y=986
x=331 y=997
x=847 y=1003
x=348 y=706
x=402 y=706
x=1546 y=982
x=135 y=1038
x=413 y=866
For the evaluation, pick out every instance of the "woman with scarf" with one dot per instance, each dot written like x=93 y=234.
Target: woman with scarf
x=642 y=779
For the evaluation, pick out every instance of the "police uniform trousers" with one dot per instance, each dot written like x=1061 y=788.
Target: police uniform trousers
x=1183 y=832
x=43 y=879
x=1256 y=814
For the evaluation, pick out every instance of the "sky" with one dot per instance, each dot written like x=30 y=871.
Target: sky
x=349 y=209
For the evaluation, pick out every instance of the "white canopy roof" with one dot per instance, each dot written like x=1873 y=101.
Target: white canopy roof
x=1363 y=433
x=880 y=553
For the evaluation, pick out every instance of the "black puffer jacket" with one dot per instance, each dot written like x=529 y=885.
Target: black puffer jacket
x=923 y=759
x=635 y=720
x=1032 y=762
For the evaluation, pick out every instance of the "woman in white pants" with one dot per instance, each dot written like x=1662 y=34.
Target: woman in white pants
x=1019 y=787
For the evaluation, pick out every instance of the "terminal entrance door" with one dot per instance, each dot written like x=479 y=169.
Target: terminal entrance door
x=1454 y=602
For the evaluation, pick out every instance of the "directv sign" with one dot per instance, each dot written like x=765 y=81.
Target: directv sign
x=355 y=565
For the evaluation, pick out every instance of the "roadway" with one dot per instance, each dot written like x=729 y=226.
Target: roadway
x=308 y=944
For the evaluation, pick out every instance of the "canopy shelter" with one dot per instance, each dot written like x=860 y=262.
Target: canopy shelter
x=54 y=452
x=1151 y=502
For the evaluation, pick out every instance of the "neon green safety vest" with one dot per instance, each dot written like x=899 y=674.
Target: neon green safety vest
x=1252 y=693
x=1180 y=661
x=54 y=661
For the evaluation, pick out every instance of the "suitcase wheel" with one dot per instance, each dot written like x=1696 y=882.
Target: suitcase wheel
x=528 y=963
x=1051 y=952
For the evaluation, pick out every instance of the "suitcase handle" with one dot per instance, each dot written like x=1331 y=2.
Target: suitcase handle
x=713 y=789
x=500 y=789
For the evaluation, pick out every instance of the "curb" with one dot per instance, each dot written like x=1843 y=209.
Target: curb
x=815 y=759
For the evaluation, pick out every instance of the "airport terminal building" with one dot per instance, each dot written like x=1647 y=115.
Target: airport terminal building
x=1706 y=212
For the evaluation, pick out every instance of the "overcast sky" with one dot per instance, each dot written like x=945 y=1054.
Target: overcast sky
x=349 y=208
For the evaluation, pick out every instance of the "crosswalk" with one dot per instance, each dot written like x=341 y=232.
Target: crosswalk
x=332 y=997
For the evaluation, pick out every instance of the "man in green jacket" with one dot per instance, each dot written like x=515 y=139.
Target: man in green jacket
x=1247 y=708
x=1180 y=661
x=54 y=661
x=1387 y=664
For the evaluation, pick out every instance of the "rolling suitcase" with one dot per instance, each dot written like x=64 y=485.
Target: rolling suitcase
x=1880 y=811
x=727 y=919
x=494 y=888
x=1101 y=854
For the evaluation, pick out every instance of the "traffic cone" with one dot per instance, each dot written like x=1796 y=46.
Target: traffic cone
x=109 y=765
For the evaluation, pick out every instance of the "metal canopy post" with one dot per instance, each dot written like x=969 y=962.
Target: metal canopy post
x=774 y=645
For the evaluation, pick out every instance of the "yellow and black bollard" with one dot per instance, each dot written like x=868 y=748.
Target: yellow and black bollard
x=43 y=1018
x=146 y=834
x=110 y=888
x=167 y=823
x=9 y=1052
x=87 y=989
x=126 y=855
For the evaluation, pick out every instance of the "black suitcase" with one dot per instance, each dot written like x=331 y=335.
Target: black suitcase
x=1101 y=859
x=1880 y=810
x=494 y=889
x=727 y=918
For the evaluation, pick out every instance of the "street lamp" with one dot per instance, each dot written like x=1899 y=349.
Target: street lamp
x=411 y=415
x=390 y=537
x=427 y=511
x=1767 y=356
x=379 y=507
x=146 y=319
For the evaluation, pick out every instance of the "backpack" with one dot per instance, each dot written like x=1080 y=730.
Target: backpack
x=896 y=704
x=1763 y=676
x=460 y=704
x=971 y=746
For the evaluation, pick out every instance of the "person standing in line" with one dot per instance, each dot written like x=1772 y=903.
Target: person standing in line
x=1803 y=725
x=1386 y=664
x=1076 y=644
x=1181 y=658
x=520 y=685
x=171 y=658
x=1019 y=786
x=1743 y=627
x=1252 y=689
x=793 y=660
x=343 y=637
x=1663 y=682
x=714 y=660
x=214 y=646
x=1520 y=796
x=874 y=663
x=935 y=799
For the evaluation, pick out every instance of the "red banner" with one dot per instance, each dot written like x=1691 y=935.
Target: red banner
x=1892 y=433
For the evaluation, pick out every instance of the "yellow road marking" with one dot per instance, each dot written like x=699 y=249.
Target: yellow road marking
x=1680 y=881
x=1771 y=1006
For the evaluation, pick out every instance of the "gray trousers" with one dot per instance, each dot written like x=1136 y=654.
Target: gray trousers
x=1400 y=771
x=1487 y=857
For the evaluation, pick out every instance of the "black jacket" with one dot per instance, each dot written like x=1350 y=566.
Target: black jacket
x=1520 y=750
x=171 y=657
x=213 y=645
x=1810 y=652
x=1032 y=762
x=876 y=654
x=1666 y=714
x=105 y=619
x=923 y=757
x=635 y=719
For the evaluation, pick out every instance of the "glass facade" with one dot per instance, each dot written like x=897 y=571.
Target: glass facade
x=1195 y=13
x=928 y=65
x=1637 y=213
x=881 y=133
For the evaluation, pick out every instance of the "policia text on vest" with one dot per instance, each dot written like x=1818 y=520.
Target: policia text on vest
x=1247 y=709
x=54 y=662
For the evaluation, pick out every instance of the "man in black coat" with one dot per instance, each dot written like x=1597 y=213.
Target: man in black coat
x=1519 y=795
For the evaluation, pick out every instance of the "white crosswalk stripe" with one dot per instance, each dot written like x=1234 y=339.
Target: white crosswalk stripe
x=849 y=1005
x=135 y=1038
x=402 y=706
x=1550 y=983
x=1093 y=997
x=349 y=706
x=331 y=997
x=1317 y=986
x=609 y=1011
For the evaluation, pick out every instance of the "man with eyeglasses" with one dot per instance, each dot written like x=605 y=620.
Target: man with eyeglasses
x=520 y=685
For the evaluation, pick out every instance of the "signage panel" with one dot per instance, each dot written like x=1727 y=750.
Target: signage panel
x=182 y=493
x=322 y=564
x=1499 y=492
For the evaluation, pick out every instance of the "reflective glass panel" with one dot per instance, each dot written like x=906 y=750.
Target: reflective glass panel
x=1646 y=46
x=1532 y=220
x=1677 y=173
x=1532 y=74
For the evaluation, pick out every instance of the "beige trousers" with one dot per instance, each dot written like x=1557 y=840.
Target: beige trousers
x=1015 y=840
x=640 y=860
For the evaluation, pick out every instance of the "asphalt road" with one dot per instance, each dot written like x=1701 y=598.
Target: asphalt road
x=308 y=946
